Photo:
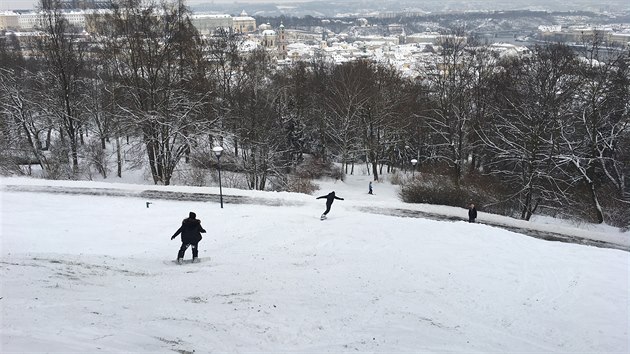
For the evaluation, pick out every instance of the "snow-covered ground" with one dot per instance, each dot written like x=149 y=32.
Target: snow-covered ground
x=93 y=273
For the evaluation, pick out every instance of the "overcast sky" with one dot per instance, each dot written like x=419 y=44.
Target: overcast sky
x=16 y=4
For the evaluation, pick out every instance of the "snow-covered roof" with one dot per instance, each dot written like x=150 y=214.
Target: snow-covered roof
x=243 y=18
x=199 y=16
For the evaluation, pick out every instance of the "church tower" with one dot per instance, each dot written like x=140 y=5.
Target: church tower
x=282 y=42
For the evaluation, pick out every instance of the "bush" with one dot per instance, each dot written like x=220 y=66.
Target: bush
x=397 y=178
x=96 y=157
x=433 y=189
x=301 y=185
x=616 y=211
x=441 y=190
x=58 y=164
x=314 y=168
x=193 y=176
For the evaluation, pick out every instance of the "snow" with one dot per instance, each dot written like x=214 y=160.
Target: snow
x=94 y=273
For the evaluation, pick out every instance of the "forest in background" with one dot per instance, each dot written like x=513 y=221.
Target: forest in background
x=546 y=132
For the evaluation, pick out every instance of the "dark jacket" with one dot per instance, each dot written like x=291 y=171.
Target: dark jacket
x=330 y=197
x=191 y=231
x=472 y=213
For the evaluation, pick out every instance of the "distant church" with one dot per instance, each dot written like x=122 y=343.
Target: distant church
x=274 y=41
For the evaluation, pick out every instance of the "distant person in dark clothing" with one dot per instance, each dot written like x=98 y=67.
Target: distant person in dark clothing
x=370 y=188
x=472 y=213
x=191 y=231
x=330 y=198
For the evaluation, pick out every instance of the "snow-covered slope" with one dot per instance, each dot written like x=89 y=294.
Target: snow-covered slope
x=94 y=273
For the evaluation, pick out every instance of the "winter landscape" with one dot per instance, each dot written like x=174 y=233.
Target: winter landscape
x=88 y=267
x=119 y=119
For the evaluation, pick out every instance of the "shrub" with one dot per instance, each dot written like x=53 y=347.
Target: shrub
x=313 y=168
x=435 y=190
x=441 y=190
x=301 y=185
x=193 y=176
x=616 y=211
x=396 y=178
x=97 y=157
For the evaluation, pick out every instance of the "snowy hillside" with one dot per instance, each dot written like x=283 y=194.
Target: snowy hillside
x=93 y=272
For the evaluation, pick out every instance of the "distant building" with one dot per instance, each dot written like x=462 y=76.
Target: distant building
x=209 y=24
x=276 y=42
x=8 y=21
x=395 y=29
x=621 y=39
x=205 y=23
x=268 y=39
x=28 y=21
x=431 y=37
x=282 y=42
x=362 y=22
x=583 y=34
x=243 y=23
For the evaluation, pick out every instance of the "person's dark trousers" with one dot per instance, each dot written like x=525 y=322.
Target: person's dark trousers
x=182 y=250
x=327 y=208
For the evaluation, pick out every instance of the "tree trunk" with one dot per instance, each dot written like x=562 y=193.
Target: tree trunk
x=374 y=165
x=595 y=200
x=119 y=161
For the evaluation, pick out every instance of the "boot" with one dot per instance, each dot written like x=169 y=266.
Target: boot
x=180 y=260
x=195 y=260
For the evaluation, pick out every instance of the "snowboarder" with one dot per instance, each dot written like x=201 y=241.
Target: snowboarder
x=472 y=213
x=330 y=198
x=370 y=188
x=191 y=231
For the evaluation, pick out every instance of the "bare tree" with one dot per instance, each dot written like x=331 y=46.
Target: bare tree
x=64 y=53
x=593 y=140
x=533 y=100
x=450 y=119
x=22 y=123
x=264 y=144
x=154 y=51
x=347 y=97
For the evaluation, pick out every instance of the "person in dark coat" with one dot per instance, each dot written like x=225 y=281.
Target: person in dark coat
x=472 y=213
x=330 y=198
x=191 y=231
x=370 y=188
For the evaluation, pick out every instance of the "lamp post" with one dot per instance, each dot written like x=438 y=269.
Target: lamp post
x=407 y=147
x=217 y=152
x=413 y=171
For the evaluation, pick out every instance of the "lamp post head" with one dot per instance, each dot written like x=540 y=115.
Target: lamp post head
x=414 y=162
x=217 y=151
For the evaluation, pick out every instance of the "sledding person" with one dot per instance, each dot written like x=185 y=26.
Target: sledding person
x=472 y=213
x=330 y=198
x=191 y=231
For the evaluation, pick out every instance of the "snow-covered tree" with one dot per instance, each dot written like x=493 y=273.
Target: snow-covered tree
x=153 y=51
x=533 y=100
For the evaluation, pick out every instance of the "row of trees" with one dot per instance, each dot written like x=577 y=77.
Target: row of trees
x=548 y=129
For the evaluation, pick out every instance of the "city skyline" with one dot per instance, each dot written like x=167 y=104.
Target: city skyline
x=31 y=4
x=7 y=5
